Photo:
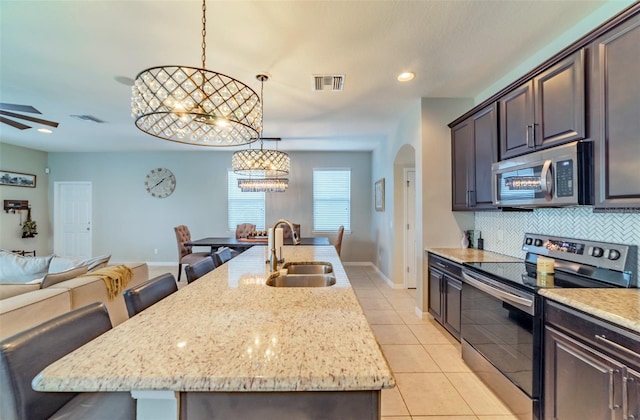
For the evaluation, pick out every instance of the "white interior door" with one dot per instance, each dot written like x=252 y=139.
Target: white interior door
x=72 y=231
x=410 y=229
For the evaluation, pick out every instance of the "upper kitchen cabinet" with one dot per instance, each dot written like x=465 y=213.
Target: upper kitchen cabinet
x=474 y=147
x=615 y=116
x=545 y=111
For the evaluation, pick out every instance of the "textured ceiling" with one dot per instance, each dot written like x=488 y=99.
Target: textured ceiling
x=62 y=57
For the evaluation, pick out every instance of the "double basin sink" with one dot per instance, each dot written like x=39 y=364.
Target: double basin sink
x=303 y=274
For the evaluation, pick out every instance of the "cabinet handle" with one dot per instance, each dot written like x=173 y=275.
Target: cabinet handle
x=439 y=264
x=625 y=397
x=612 y=405
x=527 y=136
x=617 y=346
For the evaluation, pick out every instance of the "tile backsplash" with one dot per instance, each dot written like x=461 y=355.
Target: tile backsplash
x=503 y=231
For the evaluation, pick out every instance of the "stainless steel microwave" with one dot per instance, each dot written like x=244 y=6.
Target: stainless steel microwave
x=554 y=177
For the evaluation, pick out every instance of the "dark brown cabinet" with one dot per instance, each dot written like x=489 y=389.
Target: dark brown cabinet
x=474 y=144
x=445 y=292
x=545 y=111
x=615 y=116
x=589 y=367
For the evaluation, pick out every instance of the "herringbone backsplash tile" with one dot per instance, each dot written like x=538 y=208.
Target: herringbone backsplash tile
x=503 y=231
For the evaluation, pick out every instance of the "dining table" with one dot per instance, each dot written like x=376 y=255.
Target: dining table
x=243 y=243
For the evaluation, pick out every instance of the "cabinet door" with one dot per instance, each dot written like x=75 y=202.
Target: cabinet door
x=615 y=116
x=516 y=122
x=580 y=383
x=453 y=295
x=462 y=171
x=632 y=403
x=560 y=105
x=435 y=294
x=485 y=139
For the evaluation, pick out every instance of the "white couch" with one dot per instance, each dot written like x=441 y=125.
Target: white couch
x=25 y=305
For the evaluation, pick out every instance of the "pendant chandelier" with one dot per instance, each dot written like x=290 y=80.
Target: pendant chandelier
x=263 y=184
x=195 y=105
x=263 y=164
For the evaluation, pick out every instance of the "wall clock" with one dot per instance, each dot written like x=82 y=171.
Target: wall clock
x=160 y=182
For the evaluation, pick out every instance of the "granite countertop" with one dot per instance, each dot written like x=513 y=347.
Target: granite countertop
x=618 y=306
x=462 y=255
x=228 y=331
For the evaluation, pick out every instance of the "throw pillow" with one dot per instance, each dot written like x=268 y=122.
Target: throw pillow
x=59 y=264
x=15 y=268
x=53 y=278
x=96 y=262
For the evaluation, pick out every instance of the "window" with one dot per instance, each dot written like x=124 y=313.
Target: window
x=331 y=199
x=243 y=207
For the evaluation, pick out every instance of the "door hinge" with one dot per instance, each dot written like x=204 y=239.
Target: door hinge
x=407 y=226
x=408 y=270
x=408 y=183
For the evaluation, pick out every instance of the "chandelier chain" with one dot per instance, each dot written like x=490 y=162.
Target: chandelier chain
x=204 y=33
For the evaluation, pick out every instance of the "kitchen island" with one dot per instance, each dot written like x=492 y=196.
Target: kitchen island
x=227 y=346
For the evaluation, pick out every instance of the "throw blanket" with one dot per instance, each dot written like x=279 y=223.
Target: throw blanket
x=115 y=277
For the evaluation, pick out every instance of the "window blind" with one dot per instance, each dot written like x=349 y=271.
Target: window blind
x=243 y=207
x=331 y=199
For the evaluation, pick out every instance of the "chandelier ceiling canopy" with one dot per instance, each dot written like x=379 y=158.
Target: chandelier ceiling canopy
x=195 y=105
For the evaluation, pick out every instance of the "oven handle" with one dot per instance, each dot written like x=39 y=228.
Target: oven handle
x=497 y=293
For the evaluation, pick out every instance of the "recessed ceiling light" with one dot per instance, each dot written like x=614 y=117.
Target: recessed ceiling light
x=45 y=130
x=406 y=76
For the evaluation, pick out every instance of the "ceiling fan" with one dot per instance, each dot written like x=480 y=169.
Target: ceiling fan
x=21 y=108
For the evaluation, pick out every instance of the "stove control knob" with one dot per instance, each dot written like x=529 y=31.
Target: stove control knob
x=528 y=241
x=614 y=254
x=597 y=252
x=537 y=242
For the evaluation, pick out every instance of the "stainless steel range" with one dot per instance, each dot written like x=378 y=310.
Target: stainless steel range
x=501 y=321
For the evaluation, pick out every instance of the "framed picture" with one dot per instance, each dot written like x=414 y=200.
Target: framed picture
x=379 y=200
x=16 y=179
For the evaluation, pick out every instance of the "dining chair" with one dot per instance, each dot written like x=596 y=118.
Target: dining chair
x=338 y=243
x=196 y=270
x=286 y=230
x=222 y=255
x=186 y=255
x=145 y=294
x=244 y=229
x=25 y=354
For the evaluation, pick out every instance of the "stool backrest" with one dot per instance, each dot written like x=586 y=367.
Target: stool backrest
x=24 y=355
x=140 y=297
x=199 y=269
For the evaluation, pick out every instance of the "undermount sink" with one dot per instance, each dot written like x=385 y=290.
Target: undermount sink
x=301 y=280
x=313 y=267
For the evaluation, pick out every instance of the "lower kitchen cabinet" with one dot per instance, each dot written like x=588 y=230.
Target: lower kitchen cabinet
x=591 y=367
x=445 y=287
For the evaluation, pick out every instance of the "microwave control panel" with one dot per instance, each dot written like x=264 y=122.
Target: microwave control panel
x=564 y=178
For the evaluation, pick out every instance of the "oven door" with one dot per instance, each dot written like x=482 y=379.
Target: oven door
x=503 y=325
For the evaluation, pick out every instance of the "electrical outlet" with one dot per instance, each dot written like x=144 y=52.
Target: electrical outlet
x=155 y=251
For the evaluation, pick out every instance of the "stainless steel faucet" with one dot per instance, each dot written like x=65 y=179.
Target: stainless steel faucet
x=273 y=261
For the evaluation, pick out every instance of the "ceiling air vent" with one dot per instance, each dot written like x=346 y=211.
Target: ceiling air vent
x=88 y=118
x=333 y=82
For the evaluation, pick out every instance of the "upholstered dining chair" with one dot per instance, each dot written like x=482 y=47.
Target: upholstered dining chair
x=186 y=255
x=244 y=229
x=286 y=230
x=24 y=355
x=145 y=294
x=338 y=243
x=196 y=270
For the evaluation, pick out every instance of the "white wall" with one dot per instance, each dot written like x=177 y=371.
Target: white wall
x=20 y=159
x=130 y=224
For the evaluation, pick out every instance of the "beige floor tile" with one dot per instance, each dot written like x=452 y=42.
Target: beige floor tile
x=397 y=417
x=444 y=418
x=412 y=292
x=410 y=317
x=428 y=334
x=405 y=303
x=508 y=417
x=409 y=358
x=392 y=403
x=430 y=394
x=394 y=334
x=368 y=293
x=481 y=400
x=447 y=357
x=376 y=317
x=380 y=304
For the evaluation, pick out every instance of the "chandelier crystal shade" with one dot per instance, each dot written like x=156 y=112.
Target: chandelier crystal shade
x=266 y=162
x=194 y=105
x=263 y=185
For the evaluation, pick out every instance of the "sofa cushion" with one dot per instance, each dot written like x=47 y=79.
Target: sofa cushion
x=59 y=264
x=24 y=311
x=10 y=290
x=15 y=268
x=53 y=278
x=97 y=262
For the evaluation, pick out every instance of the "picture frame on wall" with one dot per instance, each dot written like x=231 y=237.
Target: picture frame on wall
x=17 y=179
x=379 y=195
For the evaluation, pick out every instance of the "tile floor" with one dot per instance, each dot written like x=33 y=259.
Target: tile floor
x=433 y=383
